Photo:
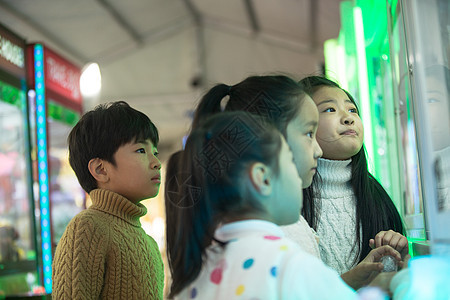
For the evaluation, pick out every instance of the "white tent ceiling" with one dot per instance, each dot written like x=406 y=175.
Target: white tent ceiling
x=152 y=52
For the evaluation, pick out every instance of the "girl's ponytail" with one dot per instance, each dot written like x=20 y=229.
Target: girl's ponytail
x=189 y=215
x=210 y=103
x=204 y=186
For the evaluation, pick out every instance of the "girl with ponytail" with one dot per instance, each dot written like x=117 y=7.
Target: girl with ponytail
x=242 y=185
x=229 y=190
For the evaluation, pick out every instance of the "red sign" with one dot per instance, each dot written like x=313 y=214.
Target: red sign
x=61 y=76
x=12 y=53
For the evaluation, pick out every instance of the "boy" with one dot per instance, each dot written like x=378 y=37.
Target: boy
x=104 y=253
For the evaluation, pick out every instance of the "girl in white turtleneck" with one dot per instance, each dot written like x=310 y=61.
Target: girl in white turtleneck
x=346 y=205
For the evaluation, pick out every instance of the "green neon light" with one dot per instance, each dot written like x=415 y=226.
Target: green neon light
x=364 y=96
x=335 y=62
x=11 y=95
x=63 y=114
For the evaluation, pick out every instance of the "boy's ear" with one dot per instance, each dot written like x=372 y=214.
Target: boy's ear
x=97 y=169
x=260 y=178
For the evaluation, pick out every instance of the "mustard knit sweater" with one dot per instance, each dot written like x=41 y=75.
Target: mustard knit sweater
x=105 y=254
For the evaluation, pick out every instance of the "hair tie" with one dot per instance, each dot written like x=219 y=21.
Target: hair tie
x=208 y=136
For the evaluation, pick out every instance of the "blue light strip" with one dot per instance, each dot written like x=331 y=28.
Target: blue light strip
x=41 y=126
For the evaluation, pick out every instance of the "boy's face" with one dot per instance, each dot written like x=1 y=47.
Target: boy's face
x=137 y=173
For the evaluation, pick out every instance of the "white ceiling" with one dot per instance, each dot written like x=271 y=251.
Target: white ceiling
x=151 y=51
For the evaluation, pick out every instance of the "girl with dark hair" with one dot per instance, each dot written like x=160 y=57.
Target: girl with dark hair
x=283 y=102
x=238 y=183
x=353 y=212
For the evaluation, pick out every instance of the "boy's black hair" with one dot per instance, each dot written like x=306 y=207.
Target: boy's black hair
x=101 y=131
x=375 y=210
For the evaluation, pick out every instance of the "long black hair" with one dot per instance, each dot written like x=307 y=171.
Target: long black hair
x=375 y=210
x=277 y=98
x=204 y=185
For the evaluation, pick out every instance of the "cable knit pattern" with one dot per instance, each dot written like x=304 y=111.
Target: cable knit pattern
x=336 y=226
x=303 y=235
x=105 y=254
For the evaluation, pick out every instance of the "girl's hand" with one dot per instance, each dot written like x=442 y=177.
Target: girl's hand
x=393 y=239
x=363 y=273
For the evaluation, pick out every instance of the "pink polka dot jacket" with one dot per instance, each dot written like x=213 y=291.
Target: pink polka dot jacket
x=258 y=262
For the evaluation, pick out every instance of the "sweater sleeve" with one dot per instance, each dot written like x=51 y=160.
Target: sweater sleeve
x=79 y=264
x=306 y=277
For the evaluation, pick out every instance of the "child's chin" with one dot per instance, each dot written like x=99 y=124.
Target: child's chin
x=289 y=221
x=153 y=194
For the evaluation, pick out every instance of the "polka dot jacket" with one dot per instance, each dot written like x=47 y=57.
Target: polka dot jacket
x=258 y=262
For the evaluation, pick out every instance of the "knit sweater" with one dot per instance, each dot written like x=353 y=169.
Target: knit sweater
x=337 y=220
x=105 y=254
x=303 y=235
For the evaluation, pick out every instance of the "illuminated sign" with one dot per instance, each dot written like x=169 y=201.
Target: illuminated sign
x=62 y=77
x=12 y=53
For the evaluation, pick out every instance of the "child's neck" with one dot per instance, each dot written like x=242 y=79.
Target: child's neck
x=250 y=216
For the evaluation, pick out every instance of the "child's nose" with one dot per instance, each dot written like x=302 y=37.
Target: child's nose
x=156 y=163
x=347 y=118
x=318 y=150
x=349 y=121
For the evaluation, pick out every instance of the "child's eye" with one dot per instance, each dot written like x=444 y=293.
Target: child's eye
x=310 y=134
x=140 y=150
x=433 y=100
x=330 y=109
x=156 y=154
x=353 y=110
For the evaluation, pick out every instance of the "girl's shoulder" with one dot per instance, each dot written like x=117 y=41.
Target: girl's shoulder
x=252 y=265
x=267 y=247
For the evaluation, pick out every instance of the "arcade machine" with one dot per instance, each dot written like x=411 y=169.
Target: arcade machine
x=18 y=246
x=54 y=94
x=394 y=57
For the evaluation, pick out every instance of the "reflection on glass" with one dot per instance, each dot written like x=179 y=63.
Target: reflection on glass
x=437 y=93
x=412 y=196
x=433 y=40
x=435 y=37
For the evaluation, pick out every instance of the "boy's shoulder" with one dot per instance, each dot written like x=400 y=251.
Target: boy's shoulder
x=89 y=218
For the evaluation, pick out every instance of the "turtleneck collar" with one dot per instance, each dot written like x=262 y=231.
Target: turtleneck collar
x=117 y=205
x=336 y=175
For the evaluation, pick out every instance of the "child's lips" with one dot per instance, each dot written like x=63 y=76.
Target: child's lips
x=349 y=132
x=156 y=179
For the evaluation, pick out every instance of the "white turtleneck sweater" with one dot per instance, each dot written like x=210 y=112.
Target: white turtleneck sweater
x=303 y=235
x=336 y=224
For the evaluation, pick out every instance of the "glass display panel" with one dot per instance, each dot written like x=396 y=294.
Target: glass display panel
x=16 y=236
x=428 y=32
x=406 y=126
x=18 y=265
